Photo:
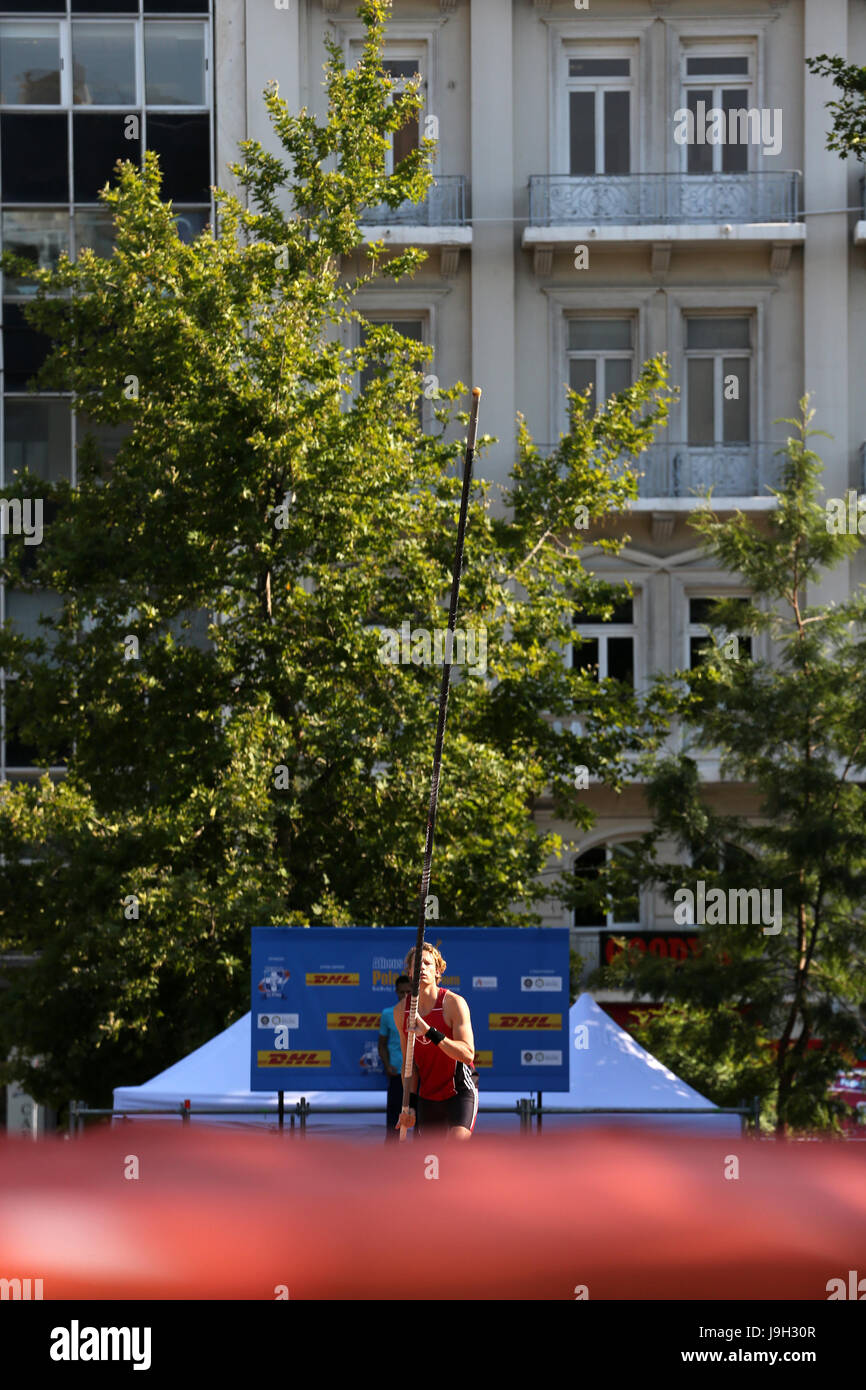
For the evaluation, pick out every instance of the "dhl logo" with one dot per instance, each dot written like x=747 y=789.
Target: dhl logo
x=294 y=1059
x=357 y=1022
x=332 y=978
x=483 y=1059
x=543 y=1022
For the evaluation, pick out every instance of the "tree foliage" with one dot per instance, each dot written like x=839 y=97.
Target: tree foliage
x=766 y=1008
x=262 y=764
x=848 y=132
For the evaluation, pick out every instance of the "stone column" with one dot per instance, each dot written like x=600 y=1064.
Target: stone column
x=825 y=270
x=273 y=51
x=230 y=89
x=493 y=253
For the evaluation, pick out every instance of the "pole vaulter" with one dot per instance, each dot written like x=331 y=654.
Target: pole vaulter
x=409 y=1058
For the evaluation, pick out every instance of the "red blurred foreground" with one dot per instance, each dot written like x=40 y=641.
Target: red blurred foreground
x=215 y=1215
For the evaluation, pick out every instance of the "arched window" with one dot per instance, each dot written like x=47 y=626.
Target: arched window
x=624 y=911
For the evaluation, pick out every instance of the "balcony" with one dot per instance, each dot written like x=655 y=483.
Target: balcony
x=440 y=219
x=665 y=210
x=680 y=472
x=675 y=474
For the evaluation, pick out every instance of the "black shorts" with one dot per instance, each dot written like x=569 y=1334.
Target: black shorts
x=446 y=1114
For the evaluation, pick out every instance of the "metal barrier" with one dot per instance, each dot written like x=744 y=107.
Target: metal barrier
x=525 y=1110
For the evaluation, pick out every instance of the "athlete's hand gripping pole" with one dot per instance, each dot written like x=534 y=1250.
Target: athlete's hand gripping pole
x=437 y=760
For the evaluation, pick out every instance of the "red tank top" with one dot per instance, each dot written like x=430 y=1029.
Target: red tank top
x=435 y=1069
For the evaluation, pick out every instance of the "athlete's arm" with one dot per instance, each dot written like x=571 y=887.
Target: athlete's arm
x=462 y=1046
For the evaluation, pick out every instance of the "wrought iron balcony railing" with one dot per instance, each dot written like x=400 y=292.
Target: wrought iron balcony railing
x=673 y=469
x=633 y=199
x=446 y=205
x=731 y=470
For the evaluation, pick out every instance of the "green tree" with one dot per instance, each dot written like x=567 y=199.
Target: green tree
x=740 y=1017
x=274 y=767
x=848 y=132
x=576 y=966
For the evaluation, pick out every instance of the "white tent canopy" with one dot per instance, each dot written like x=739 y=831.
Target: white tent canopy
x=608 y=1069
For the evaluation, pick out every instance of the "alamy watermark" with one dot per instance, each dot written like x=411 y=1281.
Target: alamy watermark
x=420 y=647
x=17 y=518
x=738 y=126
x=855 y=1290
x=738 y=906
x=850 y=520
x=76 y=1343
x=23 y=1289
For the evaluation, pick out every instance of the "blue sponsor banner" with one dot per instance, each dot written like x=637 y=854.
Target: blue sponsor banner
x=318 y=994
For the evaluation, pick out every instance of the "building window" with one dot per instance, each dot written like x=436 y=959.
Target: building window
x=35 y=158
x=700 y=632
x=598 y=93
x=409 y=328
x=103 y=64
x=190 y=223
x=723 y=82
x=139 y=69
x=172 y=6
x=600 y=354
x=29 y=64
x=40 y=236
x=94 y=230
x=34 y=6
x=174 y=64
x=19 y=756
x=24 y=348
x=607 y=648
x=183 y=146
x=111 y=7
x=403 y=62
x=97 y=144
x=36 y=438
x=402 y=71
x=623 y=911
x=718 y=380
x=82 y=86
x=414 y=327
x=23 y=612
